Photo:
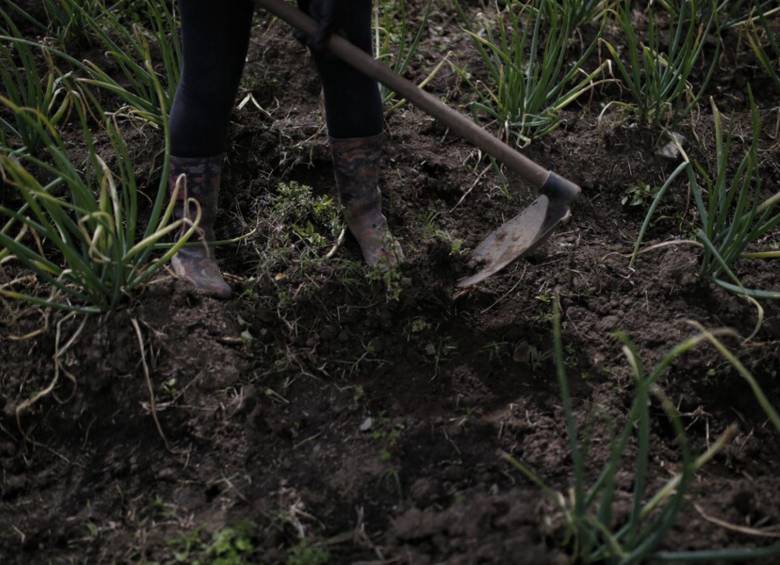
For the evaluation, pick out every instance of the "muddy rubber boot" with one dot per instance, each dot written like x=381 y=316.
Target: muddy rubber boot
x=356 y=163
x=195 y=262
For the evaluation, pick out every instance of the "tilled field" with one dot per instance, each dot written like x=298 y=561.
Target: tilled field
x=323 y=415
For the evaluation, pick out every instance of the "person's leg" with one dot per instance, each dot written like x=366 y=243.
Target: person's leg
x=354 y=115
x=215 y=38
x=353 y=105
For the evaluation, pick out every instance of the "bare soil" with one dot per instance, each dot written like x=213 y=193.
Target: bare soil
x=368 y=417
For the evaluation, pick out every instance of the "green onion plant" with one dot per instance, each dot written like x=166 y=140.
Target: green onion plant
x=11 y=10
x=67 y=21
x=129 y=47
x=31 y=83
x=78 y=229
x=732 y=213
x=765 y=44
x=530 y=76
x=582 y=12
x=63 y=24
x=735 y=13
x=395 y=43
x=656 y=72
x=593 y=535
x=136 y=73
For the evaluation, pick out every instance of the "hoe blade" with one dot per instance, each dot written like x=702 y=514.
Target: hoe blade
x=516 y=237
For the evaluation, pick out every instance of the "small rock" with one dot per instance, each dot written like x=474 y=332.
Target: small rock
x=167 y=474
x=609 y=322
x=423 y=492
x=671 y=149
x=367 y=424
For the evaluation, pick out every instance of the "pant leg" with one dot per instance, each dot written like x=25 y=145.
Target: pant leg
x=353 y=105
x=215 y=38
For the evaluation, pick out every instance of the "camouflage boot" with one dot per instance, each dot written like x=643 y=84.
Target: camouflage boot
x=195 y=262
x=356 y=162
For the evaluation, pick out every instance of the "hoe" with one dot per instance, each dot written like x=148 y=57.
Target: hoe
x=517 y=236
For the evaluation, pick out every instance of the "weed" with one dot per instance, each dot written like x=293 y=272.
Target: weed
x=391 y=278
x=306 y=213
x=303 y=553
x=231 y=545
x=545 y=297
x=417 y=326
x=186 y=547
x=440 y=350
x=638 y=194
x=454 y=244
x=159 y=508
x=431 y=231
x=388 y=436
x=300 y=225
x=530 y=355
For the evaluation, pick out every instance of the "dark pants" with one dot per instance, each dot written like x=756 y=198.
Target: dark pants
x=215 y=37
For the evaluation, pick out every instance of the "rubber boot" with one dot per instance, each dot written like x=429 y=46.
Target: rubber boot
x=195 y=262
x=356 y=162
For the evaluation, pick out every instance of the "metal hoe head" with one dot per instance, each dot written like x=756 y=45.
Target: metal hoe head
x=516 y=237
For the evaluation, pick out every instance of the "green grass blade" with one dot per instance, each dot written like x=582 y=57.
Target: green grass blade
x=651 y=210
